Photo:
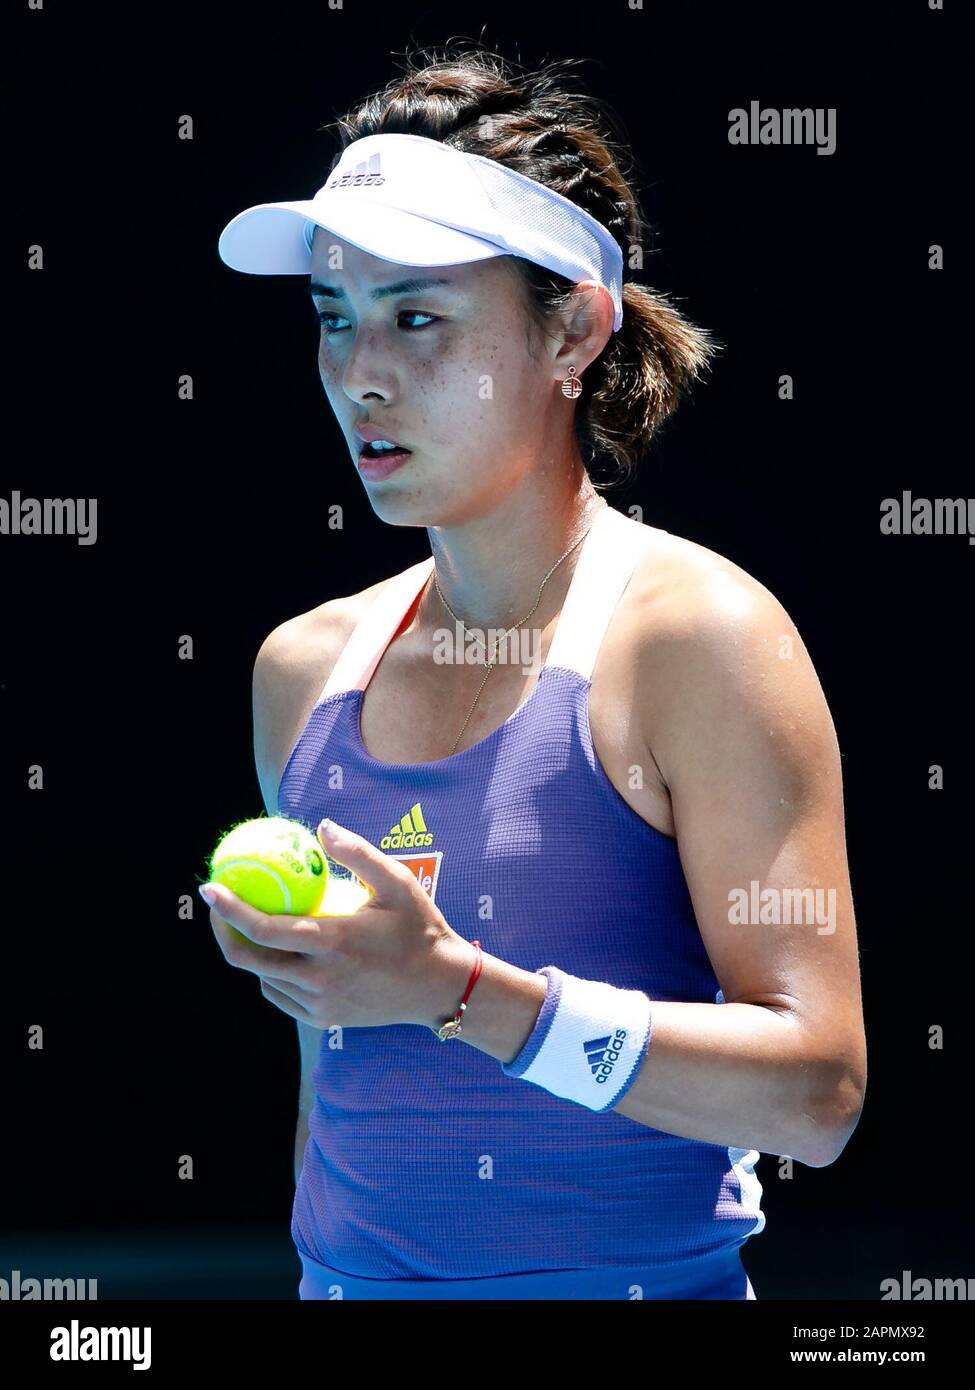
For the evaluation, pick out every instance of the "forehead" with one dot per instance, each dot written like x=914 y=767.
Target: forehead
x=330 y=254
x=337 y=263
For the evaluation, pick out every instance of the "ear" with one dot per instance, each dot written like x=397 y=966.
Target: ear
x=587 y=326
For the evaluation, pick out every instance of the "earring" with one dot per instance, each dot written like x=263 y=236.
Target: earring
x=572 y=386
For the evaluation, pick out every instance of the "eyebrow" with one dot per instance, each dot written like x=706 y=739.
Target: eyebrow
x=411 y=286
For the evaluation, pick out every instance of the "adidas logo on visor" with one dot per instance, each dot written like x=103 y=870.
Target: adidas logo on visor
x=368 y=174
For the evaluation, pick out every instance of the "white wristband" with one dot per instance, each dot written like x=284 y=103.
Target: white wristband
x=588 y=1041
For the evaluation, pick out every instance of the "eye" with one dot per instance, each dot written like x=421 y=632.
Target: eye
x=323 y=317
x=326 y=319
x=419 y=313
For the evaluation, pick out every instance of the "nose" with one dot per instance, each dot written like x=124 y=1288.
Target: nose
x=366 y=371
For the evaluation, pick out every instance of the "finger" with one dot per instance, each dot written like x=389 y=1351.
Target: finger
x=285 y=1003
x=381 y=874
x=305 y=997
x=259 y=960
x=280 y=932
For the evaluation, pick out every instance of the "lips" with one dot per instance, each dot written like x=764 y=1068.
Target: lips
x=370 y=451
x=369 y=434
x=377 y=464
x=377 y=467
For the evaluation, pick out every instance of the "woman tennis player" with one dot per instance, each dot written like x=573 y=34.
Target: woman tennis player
x=584 y=765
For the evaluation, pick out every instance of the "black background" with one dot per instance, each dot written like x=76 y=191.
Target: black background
x=211 y=523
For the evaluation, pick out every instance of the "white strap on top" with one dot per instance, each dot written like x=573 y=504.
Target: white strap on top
x=607 y=559
x=374 y=631
x=609 y=556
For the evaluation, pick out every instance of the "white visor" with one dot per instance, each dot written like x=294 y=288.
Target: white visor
x=416 y=201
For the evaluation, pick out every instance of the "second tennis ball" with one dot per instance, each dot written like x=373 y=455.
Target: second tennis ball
x=274 y=864
x=343 y=897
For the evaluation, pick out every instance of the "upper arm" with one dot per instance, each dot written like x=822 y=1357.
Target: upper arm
x=743 y=737
x=274 y=696
x=290 y=671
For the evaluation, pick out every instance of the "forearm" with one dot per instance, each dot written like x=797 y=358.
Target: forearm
x=735 y=1074
x=729 y=1074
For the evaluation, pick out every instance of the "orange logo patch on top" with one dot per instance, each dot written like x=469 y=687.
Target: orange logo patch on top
x=425 y=868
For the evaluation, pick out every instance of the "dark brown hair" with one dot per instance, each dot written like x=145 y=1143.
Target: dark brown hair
x=478 y=102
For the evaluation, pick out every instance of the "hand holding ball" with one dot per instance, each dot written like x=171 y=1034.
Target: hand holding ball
x=274 y=864
x=278 y=866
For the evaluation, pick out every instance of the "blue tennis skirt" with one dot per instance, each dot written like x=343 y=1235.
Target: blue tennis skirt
x=720 y=1275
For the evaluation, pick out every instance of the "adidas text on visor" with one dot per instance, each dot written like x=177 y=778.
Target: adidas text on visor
x=416 y=201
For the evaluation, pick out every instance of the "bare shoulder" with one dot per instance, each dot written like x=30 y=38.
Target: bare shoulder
x=291 y=668
x=320 y=633
x=717 y=650
x=688 y=584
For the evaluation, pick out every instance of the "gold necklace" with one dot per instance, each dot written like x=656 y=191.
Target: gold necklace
x=493 y=662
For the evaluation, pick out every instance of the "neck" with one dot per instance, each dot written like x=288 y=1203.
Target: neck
x=490 y=569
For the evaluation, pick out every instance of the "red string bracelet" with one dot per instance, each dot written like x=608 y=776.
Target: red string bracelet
x=451 y=1028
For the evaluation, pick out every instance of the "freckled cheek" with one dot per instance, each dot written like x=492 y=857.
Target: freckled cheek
x=501 y=391
x=476 y=383
x=330 y=375
x=446 y=405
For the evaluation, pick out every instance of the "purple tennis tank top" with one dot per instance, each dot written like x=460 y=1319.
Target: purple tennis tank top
x=424 y=1160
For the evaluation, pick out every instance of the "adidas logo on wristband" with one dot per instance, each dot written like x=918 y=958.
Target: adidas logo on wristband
x=603 y=1053
x=612 y=1026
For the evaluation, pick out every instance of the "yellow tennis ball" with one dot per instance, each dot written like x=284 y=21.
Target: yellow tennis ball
x=343 y=896
x=274 y=864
